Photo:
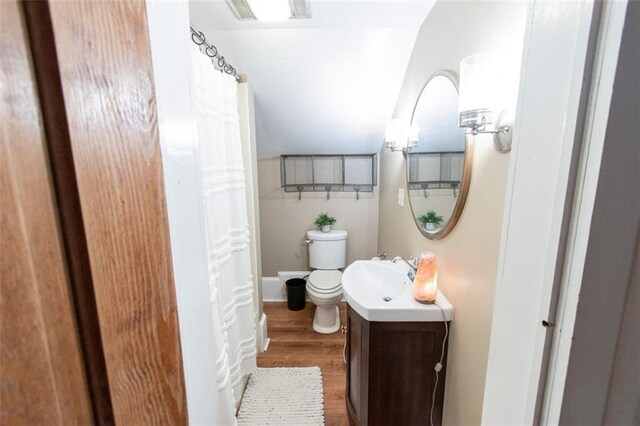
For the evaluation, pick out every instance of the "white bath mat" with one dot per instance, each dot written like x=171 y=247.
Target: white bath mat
x=283 y=396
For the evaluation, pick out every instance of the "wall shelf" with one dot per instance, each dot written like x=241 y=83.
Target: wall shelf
x=328 y=173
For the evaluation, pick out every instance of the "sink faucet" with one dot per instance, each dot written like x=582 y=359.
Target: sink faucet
x=413 y=263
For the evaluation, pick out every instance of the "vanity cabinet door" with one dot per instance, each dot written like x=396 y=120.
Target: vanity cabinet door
x=390 y=371
x=402 y=357
x=357 y=367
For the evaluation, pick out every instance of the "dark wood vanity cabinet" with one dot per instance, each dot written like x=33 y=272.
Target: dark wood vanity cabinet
x=390 y=371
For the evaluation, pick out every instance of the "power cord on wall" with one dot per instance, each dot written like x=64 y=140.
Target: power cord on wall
x=343 y=330
x=438 y=366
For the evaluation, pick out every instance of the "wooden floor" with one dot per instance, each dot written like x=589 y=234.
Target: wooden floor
x=295 y=344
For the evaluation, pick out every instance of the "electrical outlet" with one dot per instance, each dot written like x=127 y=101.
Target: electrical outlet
x=401 y=197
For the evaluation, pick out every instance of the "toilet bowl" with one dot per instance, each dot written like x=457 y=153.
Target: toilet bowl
x=327 y=255
x=325 y=291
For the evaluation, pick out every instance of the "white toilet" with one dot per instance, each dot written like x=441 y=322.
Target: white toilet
x=327 y=254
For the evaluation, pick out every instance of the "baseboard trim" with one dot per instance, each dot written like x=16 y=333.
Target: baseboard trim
x=262 y=338
x=274 y=288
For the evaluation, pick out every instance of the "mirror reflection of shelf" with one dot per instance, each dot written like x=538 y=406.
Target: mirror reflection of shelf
x=435 y=184
x=328 y=173
x=426 y=186
x=435 y=170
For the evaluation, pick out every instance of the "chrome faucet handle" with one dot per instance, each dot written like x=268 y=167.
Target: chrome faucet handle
x=413 y=263
x=382 y=256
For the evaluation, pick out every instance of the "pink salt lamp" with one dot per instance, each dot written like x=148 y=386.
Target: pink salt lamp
x=425 y=284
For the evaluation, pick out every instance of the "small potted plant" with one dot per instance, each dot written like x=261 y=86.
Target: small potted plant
x=324 y=222
x=431 y=220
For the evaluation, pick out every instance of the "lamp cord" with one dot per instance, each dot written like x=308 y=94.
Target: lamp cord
x=438 y=366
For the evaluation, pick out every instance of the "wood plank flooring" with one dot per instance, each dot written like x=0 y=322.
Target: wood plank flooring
x=295 y=344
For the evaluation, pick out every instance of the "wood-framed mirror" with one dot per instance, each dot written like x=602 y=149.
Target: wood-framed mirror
x=438 y=168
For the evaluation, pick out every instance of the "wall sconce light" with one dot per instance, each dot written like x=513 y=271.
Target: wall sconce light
x=483 y=102
x=399 y=136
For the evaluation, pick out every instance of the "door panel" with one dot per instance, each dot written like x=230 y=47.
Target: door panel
x=41 y=366
x=106 y=73
x=55 y=124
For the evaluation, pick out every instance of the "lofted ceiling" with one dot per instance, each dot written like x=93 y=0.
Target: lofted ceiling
x=324 y=85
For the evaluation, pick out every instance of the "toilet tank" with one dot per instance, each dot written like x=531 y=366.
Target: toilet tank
x=327 y=250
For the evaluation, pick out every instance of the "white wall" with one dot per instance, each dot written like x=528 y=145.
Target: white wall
x=284 y=221
x=325 y=84
x=623 y=399
x=171 y=53
x=468 y=257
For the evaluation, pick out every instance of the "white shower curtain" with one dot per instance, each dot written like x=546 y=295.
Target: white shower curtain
x=224 y=212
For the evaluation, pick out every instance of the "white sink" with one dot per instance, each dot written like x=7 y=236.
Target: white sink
x=380 y=290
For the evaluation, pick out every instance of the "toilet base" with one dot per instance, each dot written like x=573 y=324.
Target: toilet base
x=326 y=319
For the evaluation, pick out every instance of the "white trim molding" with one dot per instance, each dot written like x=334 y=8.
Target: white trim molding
x=599 y=258
x=550 y=113
x=544 y=286
x=168 y=24
x=262 y=337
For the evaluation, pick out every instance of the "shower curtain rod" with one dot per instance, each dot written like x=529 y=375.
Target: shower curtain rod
x=211 y=51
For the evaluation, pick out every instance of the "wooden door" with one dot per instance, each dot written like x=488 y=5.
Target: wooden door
x=89 y=318
x=41 y=367
x=104 y=59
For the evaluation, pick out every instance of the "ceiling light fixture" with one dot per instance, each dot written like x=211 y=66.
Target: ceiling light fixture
x=269 y=10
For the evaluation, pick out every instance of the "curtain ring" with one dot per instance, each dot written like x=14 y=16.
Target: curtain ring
x=213 y=50
x=198 y=38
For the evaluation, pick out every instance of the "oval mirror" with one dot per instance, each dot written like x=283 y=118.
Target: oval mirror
x=439 y=167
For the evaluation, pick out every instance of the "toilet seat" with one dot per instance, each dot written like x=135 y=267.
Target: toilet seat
x=315 y=296
x=325 y=282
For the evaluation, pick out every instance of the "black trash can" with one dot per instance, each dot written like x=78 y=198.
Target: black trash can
x=296 y=288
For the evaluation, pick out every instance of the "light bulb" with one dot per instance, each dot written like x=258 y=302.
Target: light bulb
x=270 y=10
